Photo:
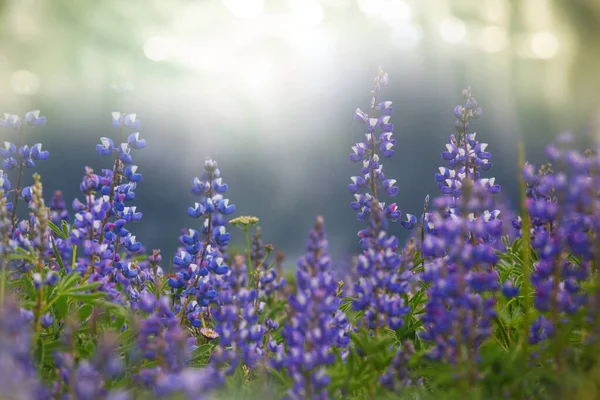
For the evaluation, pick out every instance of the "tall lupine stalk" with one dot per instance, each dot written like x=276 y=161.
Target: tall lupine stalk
x=311 y=332
x=39 y=236
x=459 y=271
x=524 y=224
x=104 y=236
x=562 y=202
x=23 y=156
x=365 y=186
x=5 y=227
x=267 y=279
x=378 y=291
x=163 y=341
x=194 y=266
x=241 y=301
x=237 y=324
x=459 y=251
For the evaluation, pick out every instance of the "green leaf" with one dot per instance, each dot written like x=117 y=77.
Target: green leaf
x=69 y=282
x=65 y=228
x=83 y=288
x=57 y=230
x=85 y=297
x=283 y=379
x=57 y=255
x=200 y=354
x=61 y=307
x=84 y=312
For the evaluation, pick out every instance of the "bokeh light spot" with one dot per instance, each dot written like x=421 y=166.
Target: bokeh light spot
x=371 y=7
x=245 y=9
x=453 y=30
x=405 y=36
x=493 y=39
x=394 y=12
x=307 y=12
x=544 y=45
x=24 y=82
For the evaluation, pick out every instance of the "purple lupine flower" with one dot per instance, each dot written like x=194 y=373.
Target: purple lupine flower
x=311 y=331
x=378 y=140
x=268 y=279
x=163 y=341
x=195 y=266
x=93 y=374
x=33 y=118
x=237 y=324
x=58 y=209
x=397 y=376
x=19 y=378
x=562 y=206
x=460 y=247
x=102 y=220
x=383 y=281
x=465 y=155
x=5 y=186
x=459 y=271
x=23 y=156
x=11 y=120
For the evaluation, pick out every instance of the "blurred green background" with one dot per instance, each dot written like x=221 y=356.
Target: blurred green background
x=268 y=88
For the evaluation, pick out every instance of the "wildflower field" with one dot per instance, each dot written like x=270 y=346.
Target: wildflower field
x=482 y=302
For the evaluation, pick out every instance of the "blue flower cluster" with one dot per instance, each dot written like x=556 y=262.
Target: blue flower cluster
x=562 y=206
x=378 y=140
x=312 y=330
x=19 y=380
x=21 y=157
x=459 y=249
x=197 y=265
x=382 y=282
x=237 y=322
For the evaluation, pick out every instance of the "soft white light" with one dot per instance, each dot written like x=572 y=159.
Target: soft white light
x=544 y=45
x=493 y=39
x=157 y=48
x=371 y=7
x=405 y=36
x=207 y=56
x=307 y=12
x=24 y=82
x=256 y=75
x=453 y=30
x=394 y=12
x=245 y=9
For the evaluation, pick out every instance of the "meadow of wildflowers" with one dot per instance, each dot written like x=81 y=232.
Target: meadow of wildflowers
x=479 y=303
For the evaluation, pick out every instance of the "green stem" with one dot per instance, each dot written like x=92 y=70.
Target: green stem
x=39 y=304
x=248 y=254
x=526 y=257
x=257 y=284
